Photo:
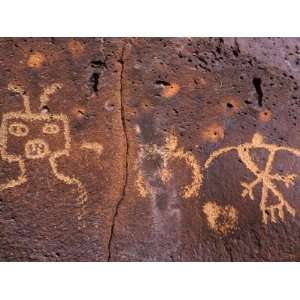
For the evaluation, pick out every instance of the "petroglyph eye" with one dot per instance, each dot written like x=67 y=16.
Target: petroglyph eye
x=51 y=129
x=18 y=129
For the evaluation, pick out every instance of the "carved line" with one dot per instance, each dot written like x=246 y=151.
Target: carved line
x=96 y=147
x=262 y=176
x=169 y=152
x=48 y=91
x=69 y=180
x=19 y=90
x=27 y=115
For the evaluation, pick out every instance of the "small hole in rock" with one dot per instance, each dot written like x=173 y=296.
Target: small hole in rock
x=94 y=79
x=45 y=109
x=162 y=82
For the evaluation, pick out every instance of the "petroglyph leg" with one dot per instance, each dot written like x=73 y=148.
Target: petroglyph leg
x=141 y=185
x=82 y=199
x=283 y=204
x=48 y=91
x=16 y=182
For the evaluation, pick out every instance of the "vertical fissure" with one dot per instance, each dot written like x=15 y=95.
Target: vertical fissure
x=124 y=126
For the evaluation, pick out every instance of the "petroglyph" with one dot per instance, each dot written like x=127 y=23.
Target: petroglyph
x=48 y=91
x=220 y=219
x=18 y=127
x=168 y=153
x=141 y=185
x=96 y=147
x=265 y=177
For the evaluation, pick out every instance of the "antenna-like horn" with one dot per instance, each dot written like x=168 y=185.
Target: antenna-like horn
x=48 y=91
x=19 y=90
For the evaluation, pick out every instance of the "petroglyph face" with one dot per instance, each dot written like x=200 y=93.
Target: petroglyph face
x=34 y=136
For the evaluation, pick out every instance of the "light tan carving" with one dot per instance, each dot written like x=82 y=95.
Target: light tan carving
x=17 y=125
x=48 y=91
x=221 y=219
x=141 y=185
x=265 y=177
x=96 y=147
x=170 y=152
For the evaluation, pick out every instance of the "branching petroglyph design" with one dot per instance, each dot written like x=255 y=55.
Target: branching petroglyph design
x=263 y=177
x=168 y=153
x=16 y=127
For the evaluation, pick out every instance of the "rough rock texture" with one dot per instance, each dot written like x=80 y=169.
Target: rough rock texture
x=149 y=149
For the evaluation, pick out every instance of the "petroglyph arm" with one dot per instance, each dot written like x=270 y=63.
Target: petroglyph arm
x=96 y=147
x=289 y=149
x=216 y=154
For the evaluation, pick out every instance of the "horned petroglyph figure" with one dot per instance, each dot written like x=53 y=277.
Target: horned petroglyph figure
x=34 y=133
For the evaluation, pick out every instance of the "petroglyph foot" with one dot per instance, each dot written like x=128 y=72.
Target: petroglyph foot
x=275 y=212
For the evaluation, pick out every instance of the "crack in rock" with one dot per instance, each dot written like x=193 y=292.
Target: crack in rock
x=124 y=126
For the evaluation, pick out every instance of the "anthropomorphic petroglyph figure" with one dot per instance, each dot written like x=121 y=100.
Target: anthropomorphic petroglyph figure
x=265 y=176
x=170 y=152
x=34 y=133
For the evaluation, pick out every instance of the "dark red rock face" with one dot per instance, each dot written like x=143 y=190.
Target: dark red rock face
x=149 y=149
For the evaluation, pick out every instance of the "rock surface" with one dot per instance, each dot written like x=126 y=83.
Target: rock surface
x=149 y=149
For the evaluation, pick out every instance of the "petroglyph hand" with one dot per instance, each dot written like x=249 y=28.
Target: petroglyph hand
x=288 y=180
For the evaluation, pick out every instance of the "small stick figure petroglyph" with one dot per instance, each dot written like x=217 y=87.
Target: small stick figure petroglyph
x=265 y=177
x=34 y=133
x=170 y=152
